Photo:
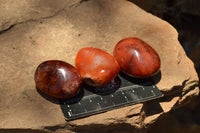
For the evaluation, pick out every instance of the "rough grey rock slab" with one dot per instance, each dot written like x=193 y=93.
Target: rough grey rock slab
x=58 y=32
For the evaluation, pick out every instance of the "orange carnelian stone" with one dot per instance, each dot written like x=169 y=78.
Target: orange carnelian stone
x=97 y=67
x=136 y=58
x=57 y=79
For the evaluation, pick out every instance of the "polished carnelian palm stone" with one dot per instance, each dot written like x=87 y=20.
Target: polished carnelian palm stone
x=57 y=79
x=97 y=67
x=136 y=58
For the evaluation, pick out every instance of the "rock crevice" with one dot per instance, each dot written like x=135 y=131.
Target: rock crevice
x=63 y=31
x=54 y=14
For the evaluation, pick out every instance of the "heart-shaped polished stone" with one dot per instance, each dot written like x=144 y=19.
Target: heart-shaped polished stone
x=97 y=67
x=137 y=58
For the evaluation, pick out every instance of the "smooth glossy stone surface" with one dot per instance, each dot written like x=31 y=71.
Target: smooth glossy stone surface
x=57 y=79
x=97 y=67
x=136 y=58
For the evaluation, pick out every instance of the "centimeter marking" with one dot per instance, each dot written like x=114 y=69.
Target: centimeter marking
x=122 y=88
x=93 y=103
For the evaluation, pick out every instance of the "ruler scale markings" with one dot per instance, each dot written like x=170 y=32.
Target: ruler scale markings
x=99 y=107
x=69 y=114
x=153 y=92
x=93 y=103
x=107 y=107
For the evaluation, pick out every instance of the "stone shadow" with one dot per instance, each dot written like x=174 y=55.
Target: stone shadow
x=105 y=90
x=144 y=81
x=75 y=99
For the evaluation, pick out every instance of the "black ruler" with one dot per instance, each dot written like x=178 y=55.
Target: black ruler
x=122 y=91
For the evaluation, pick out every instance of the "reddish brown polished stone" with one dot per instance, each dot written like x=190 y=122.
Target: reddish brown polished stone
x=97 y=67
x=136 y=58
x=57 y=79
